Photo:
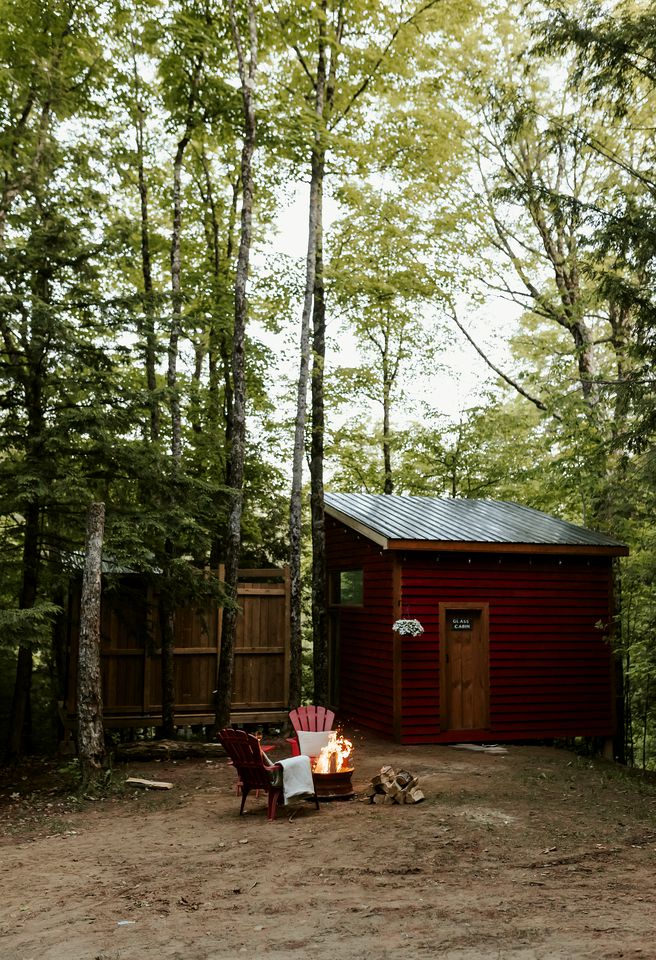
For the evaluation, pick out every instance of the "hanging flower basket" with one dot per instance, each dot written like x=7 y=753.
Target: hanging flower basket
x=408 y=628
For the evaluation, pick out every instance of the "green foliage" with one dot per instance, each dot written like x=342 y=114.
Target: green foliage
x=472 y=150
x=614 y=68
x=32 y=626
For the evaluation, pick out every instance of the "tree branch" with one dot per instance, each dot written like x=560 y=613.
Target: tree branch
x=504 y=376
x=388 y=46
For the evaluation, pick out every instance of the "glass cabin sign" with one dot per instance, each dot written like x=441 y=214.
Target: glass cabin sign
x=461 y=623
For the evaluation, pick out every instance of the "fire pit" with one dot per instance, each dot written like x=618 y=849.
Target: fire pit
x=333 y=786
x=332 y=769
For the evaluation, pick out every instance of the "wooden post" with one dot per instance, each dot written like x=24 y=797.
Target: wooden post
x=91 y=745
x=286 y=577
x=219 y=627
x=148 y=649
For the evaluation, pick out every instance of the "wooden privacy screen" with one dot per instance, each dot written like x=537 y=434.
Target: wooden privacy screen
x=130 y=652
x=261 y=671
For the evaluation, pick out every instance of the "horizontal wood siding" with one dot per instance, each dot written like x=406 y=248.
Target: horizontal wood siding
x=550 y=664
x=366 y=674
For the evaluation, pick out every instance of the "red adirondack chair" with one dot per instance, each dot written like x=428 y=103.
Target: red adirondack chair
x=312 y=719
x=253 y=770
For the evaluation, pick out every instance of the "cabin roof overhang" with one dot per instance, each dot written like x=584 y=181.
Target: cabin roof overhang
x=496 y=546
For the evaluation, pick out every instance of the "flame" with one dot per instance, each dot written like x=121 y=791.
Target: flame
x=335 y=756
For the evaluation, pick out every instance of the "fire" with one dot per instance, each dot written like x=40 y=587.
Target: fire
x=335 y=756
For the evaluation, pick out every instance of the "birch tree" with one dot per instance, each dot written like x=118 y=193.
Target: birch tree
x=339 y=75
x=246 y=46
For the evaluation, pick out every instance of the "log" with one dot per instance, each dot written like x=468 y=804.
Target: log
x=390 y=787
x=383 y=779
x=165 y=749
x=149 y=784
x=404 y=778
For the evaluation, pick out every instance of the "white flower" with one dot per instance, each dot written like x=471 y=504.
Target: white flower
x=408 y=628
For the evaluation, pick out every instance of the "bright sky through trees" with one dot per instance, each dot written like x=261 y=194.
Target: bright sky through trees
x=462 y=376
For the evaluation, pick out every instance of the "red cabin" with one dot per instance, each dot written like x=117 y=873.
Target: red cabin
x=516 y=608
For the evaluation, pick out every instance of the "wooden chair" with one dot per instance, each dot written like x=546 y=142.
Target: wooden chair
x=253 y=769
x=310 y=718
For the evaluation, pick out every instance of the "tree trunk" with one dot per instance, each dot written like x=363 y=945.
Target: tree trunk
x=225 y=346
x=176 y=269
x=295 y=506
x=212 y=234
x=167 y=612
x=176 y=305
x=220 y=342
x=237 y=417
x=167 y=634
x=19 y=733
x=91 y=746
x=622 y=727
x=165 y=602
x=33 y=360
x=150 y=349
x=319 y=608
x=388 y=487
x=19 y=738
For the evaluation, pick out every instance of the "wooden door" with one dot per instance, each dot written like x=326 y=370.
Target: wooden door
x=465 y=668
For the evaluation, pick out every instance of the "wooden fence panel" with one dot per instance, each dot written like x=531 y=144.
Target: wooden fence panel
x=130 y=652
x=262 y=646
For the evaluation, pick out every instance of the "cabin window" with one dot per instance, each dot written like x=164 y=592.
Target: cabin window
x=348 y=588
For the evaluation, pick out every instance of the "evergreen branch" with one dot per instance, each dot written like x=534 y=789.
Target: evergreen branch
x=11 y=348
x=569 y=31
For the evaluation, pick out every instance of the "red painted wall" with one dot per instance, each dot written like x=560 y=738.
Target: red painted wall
x=365 y=634
x=550 y=666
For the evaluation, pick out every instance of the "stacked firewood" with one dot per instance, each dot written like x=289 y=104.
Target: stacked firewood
x=390 y=787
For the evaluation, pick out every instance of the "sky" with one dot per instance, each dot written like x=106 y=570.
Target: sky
x=462 y=374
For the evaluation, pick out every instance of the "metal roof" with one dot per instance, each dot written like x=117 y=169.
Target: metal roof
x=441 y=521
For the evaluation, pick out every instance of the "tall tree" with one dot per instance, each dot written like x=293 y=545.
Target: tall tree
x=52 y=62
x=90 y=734
x=541 y=194
x=317 y=162
x=550 y=178
x=339 y=75
x=138 y=113
x=614 y=69
x=247 y=57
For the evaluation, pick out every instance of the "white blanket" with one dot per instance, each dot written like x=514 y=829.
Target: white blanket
x=297 y=781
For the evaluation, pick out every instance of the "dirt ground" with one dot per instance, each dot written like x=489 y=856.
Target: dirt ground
x=537 y=853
